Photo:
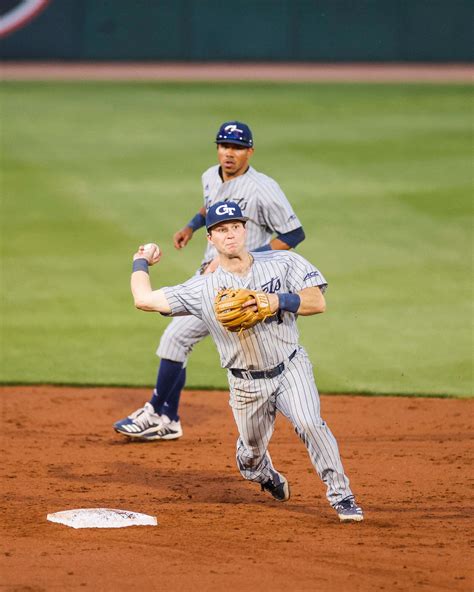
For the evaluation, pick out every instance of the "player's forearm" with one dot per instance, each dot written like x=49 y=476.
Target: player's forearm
x=308 y=302
x=312 y=301
x=278 y=245
x=144 y=297
x=198 y=221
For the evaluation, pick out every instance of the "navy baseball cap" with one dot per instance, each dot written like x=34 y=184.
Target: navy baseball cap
x=235 y=132
x=223 y=211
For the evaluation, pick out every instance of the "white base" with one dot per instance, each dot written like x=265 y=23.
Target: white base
x=101 y=518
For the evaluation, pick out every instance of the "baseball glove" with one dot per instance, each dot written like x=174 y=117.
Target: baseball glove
x=230 y=314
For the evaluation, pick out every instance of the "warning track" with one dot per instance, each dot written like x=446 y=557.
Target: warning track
x=238 y=71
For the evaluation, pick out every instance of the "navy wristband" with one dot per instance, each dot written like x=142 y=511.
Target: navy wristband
x=289 y=302
x=140 y=265
x=197 y=222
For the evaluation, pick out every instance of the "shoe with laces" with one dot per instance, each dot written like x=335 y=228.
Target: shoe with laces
x=349 y=511
x=169 y=430
x=277 y=487
x=143 y=423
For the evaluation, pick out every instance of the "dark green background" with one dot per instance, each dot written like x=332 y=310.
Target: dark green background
x=295 y=30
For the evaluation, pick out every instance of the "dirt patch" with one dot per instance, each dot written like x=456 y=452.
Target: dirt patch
x=409 y=461
x=237 y=71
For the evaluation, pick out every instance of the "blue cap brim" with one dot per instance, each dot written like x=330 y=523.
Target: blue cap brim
x=240 y=219
x=230 y=141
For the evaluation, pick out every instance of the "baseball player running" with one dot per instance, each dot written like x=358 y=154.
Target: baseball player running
x=268 y=371
x=269 y=213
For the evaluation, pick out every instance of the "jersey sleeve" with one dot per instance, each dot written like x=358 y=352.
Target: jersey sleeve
x=186 y=298
x=275 y=210
x=303 y=274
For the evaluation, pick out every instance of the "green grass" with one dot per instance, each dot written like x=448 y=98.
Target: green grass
x=379 y=174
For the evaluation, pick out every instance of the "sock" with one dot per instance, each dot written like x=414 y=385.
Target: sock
x=170 y=406
x=169 y=373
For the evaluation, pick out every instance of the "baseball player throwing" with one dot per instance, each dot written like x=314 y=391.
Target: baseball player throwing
x=269 y=213
x=268 y=371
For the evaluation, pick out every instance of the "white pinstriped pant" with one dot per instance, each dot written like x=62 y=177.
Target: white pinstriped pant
x=293 y=393
x=179 y=338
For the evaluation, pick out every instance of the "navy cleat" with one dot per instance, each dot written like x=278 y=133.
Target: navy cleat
x=349 y=511
x=143 y=424
x=278 y=487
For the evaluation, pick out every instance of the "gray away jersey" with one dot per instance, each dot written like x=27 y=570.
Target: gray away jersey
x=260 y=199
x=268 y=343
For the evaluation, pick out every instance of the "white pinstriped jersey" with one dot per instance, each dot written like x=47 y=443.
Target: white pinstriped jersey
x=267 y=344
x=260 y=199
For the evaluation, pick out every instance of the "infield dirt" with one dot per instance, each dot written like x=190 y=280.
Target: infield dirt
x=409 y=460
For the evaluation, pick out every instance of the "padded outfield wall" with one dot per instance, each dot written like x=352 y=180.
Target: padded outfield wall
x=274 y=30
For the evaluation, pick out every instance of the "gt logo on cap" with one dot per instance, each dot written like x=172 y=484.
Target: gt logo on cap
x=225 y=209
x=233 y=128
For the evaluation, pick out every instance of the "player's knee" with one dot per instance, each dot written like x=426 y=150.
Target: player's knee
x=306 y=426
x=173 y=346
x=171 y=340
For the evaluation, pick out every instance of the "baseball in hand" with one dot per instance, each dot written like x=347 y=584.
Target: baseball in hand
x=149 y=247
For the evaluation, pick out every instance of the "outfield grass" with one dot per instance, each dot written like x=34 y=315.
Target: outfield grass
x=380 y=175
